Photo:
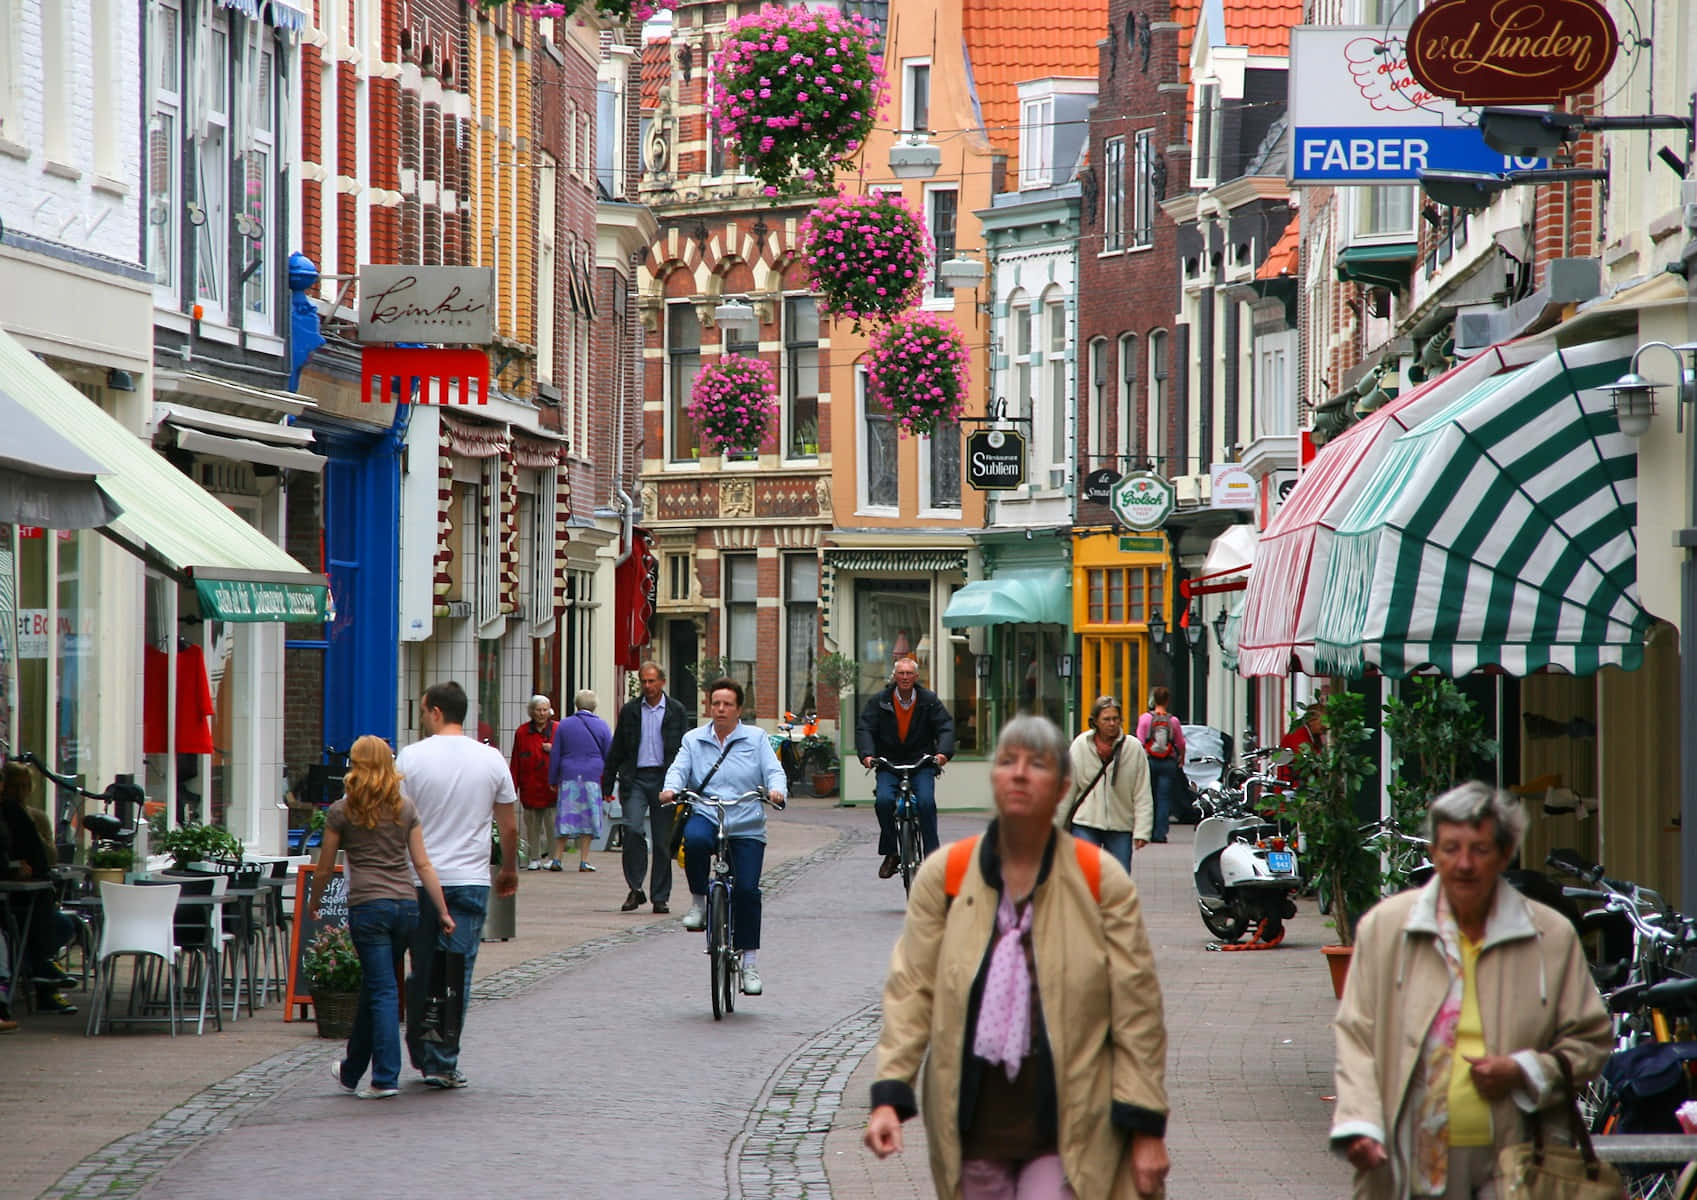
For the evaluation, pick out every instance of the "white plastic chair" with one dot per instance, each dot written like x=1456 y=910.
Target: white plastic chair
x=136 y=921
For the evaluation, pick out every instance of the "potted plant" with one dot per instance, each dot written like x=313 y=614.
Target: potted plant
x=333 y=975
x=819 y=756
x=1335 y=855
x=916 y=368
x=734 y=404
x=795 y=91
x=196 y=842
x=108 y=864
x=1437 y=740
x=866 y=256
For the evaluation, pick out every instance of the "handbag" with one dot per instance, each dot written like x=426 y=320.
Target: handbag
x=440 y=1008
x=681 y=814
x=1537 y=1170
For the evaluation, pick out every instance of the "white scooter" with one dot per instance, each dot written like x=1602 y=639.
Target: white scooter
x=1245 y=868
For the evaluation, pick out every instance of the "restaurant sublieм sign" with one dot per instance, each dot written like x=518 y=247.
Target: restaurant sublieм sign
x=1511 y=51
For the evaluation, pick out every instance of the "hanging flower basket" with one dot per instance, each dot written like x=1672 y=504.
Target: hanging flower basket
x=619 y=10
x=795 y=92
x=916 y=367
x=734 y=404
x=866 y=256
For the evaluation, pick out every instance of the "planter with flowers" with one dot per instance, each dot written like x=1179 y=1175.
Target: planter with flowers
x=334 y=974
x=866 y=256
x=795 y=92
x=916 y=368
x=734 y=404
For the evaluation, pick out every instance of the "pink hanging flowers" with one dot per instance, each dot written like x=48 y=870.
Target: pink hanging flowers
x=778 y=100
x=866 y=256
x=734 y=404
x=916 y=368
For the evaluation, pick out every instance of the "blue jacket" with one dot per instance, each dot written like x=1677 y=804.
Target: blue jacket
x=750 y=764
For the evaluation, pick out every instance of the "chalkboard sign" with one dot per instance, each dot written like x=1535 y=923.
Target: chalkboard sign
x=332 y=911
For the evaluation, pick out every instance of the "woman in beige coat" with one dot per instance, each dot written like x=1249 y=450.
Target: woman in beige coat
x=1459 y=997
x=1108 y=800
x=1032 y=986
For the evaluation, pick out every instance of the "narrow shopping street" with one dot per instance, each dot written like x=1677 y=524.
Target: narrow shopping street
x=597 y=1070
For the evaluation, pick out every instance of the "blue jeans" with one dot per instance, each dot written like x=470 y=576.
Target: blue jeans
x=924 y=798
x=468 y=903
x=381 y=930
x=1164 y=775
x=1115 y=841
x=746 y=854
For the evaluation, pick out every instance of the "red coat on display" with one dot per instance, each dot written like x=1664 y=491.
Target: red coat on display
x=194 y=702
x=531 y=750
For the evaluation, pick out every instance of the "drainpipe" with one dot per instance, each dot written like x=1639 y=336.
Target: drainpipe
x=1686 y=540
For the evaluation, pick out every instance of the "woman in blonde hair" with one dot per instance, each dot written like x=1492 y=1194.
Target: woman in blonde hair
x=379 y=831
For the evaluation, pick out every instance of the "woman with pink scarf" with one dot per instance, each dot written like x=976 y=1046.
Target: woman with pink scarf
x=1024 y=982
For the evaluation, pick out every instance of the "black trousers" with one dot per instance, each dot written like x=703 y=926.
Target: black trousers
x=647 y=821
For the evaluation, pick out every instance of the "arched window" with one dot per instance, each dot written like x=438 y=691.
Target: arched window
x=1126 y=406
x=1102 y=395
x=683 y=360
x=1160 y=405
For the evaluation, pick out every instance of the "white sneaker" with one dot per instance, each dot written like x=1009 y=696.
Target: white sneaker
x=751 y=985
x=696 y=917
x=535 y=864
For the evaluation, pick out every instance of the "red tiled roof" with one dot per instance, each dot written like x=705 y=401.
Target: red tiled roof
x=1282 y=259
x=1185 y=14
x=1013 y=41
x=656 y=70
x=1262 y=26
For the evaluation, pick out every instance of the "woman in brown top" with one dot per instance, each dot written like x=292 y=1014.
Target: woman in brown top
x=378 y=829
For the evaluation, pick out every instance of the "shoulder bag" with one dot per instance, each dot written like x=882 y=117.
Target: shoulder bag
x=1108 y=762
x=1540 y=1170
x=680 y=815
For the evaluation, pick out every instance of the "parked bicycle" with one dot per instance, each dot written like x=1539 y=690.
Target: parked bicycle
x=724 y=963
x=800 y=750
x=910 y=845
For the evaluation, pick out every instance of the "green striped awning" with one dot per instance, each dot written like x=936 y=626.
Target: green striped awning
x=896 y=558
x=1497 y=533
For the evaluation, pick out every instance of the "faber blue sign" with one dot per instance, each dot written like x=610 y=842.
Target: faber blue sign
x=1356 y=154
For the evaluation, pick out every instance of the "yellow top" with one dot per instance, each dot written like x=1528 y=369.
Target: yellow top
x=1470 y=1115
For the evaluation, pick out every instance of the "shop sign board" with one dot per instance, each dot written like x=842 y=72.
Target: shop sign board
x=426 y=304
x=1143 y=500
x=1230 y=486
x=34 y=634
x=1359 y=116
x=1511 y=51
x=1098 y=484
x=995 y=460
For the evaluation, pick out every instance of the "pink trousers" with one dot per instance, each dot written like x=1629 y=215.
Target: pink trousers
x=1040 y=1179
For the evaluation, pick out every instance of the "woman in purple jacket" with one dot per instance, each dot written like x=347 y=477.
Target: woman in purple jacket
x=574 y=771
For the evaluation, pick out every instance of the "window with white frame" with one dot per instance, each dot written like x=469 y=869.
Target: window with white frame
x=1388 y=13
x=1019 y=337
x=9 y=70
x=1128 y=393
x=880 y=475
x=1205 y=132
x=1384 y=212
x=942 y=206
x=1275 y=411
x=1160 y=436
x=210 y=212
x=1055 y=389
x=57 y=109
x=742 y=620
x=547 y=263
x=941 y=456
x=489 y=547
x=540 y=607
x=610 y=126
x=1037 y=143
x=801 y=376
x=801 y=629
x=1101 y=401
x=256 y=220
x=1143 y=188
x=680 y=577
x=683 y=360
x=164 y=133
x=916 y=95
x=1113 y=194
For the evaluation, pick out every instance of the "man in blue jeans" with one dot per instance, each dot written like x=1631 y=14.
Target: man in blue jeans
x=458 y=785
x=903 y=723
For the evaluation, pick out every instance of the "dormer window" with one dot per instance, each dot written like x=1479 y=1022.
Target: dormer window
x=1037 y=143
x=1205 y=135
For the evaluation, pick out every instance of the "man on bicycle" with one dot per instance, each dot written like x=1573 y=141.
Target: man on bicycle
x=903 y=723
x=721 y=759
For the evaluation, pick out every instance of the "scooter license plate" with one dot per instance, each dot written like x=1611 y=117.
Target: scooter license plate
x=1280 y=862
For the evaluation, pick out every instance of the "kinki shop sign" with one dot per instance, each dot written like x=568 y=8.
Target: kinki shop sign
x=426 y=304
x=1511 y=51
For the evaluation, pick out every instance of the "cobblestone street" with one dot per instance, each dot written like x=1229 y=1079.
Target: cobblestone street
x=597 y=1070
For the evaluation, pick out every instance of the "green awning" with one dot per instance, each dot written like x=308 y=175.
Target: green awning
x=896 y=558
x=1017 y=596
x=1499 y=533
x=167 y=518
x=252 y=600
x=1379 y=266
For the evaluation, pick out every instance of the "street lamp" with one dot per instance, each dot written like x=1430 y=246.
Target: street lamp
x=1220 y=619
x=1536 y=132
x=1473 y=190
x=1193 y=631
x=912 y=156
x=1158 y=630
x=736 y=315
x=1632 y=398
x=960 y=271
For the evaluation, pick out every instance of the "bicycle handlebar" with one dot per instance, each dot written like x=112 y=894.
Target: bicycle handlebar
x=64 y=781
x=695 y=797
x=925 y=760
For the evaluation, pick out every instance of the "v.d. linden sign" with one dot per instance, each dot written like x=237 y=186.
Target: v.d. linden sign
x=1511 y=51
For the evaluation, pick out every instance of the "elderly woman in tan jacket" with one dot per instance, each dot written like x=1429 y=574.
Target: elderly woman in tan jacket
x=1460 y=996
x=1108 y=803
x=1024 y=971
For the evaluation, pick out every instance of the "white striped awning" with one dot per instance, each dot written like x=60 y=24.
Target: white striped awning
x=1498 y=533
x=1281 y=604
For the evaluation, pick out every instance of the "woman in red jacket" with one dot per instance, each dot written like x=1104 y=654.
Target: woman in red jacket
x=532 y=746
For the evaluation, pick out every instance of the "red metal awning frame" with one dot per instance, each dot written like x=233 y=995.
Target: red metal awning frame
x=1200 y=586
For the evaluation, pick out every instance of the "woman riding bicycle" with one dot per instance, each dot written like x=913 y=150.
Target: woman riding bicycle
x=720 y=759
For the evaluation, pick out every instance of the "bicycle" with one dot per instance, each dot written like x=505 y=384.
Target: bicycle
x=910 y=843
x=724 y=963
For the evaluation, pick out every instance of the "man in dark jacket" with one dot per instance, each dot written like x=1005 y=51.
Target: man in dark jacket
x=645 y=741
x=903 y=723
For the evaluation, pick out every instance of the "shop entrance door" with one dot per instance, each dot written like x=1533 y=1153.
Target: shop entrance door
x=1117 y=667
x=682 y=649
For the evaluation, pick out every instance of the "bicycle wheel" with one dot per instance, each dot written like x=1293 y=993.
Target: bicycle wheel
x=719 y=950
x=907 y=846
x=1686 y=1187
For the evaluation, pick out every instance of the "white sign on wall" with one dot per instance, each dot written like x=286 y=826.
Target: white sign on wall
x=1230 y=486
x=426 y=304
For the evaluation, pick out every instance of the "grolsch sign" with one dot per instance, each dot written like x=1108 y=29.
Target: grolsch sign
x=1511 y=51
x=995 y=460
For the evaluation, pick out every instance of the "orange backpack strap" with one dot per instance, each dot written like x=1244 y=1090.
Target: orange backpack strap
x=960 y=857
x=1090 y=862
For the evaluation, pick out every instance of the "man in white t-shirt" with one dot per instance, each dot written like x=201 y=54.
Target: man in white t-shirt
x=458 y=786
